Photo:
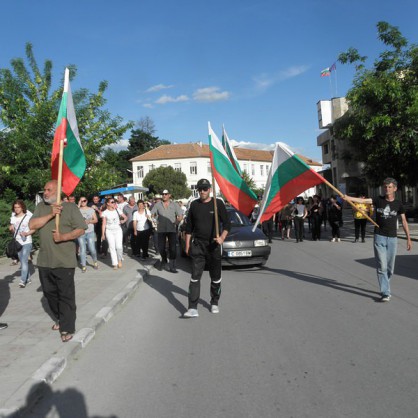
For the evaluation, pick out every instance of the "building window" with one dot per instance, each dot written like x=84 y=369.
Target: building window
x=151 y=167
x=326 y=148
x=209 y=168
x=246 y=168
x=140 y=171
x=252 y=170
x=262 y=170
x=267 y=169
x=193 y=167
x=177 y=166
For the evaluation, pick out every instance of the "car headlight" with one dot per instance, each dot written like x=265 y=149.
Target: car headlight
x=260 y=243
x=229 y=244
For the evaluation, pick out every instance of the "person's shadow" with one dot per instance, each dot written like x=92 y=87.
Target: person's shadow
x=332 y=283
x=168 y=289
x=41 y=399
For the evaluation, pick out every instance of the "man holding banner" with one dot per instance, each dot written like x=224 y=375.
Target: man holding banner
x=57 y=256
x=204 y=245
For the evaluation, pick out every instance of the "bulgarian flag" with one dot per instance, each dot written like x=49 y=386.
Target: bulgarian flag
x=288 y=177
x=325 y=72
x=230 y=151
x=232 y=186
x=74 y=161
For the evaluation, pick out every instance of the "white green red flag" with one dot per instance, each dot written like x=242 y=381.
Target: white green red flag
x=232 y=186
x=288 y=177
x=325 y=72
x=74 y=161
x=230 y=151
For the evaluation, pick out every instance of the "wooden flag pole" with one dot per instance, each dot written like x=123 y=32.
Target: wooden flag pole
x=59 y=186
x=350 y=202
x=215 y=207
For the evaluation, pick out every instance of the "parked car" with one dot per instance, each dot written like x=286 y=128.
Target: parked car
x=242 y=246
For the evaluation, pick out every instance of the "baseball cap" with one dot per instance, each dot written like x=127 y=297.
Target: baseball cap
x=165 y=191
x=203 y=183
x=157 y=196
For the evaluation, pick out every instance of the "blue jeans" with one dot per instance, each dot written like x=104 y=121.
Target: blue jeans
x=385 y=254
x=24 y=254
x=88 y=238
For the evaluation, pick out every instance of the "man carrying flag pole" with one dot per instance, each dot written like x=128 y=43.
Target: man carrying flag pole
x=57 y=257
x=288 y=177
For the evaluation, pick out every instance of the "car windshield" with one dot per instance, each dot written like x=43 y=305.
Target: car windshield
x=238 y=218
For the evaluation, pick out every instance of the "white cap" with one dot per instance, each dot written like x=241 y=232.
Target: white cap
x=165 y=191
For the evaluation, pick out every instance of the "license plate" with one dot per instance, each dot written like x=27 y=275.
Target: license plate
x=239 y=253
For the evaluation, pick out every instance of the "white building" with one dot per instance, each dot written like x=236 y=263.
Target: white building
x=193 y=160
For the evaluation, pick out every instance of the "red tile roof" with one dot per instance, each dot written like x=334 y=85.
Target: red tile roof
x=198 y=150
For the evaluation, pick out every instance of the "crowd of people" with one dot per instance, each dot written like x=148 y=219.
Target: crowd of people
x=69 y=230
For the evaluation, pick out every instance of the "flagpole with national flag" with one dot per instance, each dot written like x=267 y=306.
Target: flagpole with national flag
x=231 y=184
x=230 y=151
x=289 y=176
x=68 y=162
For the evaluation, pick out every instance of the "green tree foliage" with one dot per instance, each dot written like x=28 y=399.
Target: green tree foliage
x=28 y=112
x=167 y=178
x=142 y=141
x=381 y=123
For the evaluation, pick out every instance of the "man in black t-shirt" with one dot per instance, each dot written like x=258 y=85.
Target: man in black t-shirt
x=387 y=209
x=204 y=247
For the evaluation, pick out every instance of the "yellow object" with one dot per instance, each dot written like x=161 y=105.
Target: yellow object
x=365 y=207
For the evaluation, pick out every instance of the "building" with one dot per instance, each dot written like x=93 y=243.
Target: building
x=193 y=160
x=344 y=172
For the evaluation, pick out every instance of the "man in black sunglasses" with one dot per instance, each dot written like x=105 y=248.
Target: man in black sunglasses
x=204 y=247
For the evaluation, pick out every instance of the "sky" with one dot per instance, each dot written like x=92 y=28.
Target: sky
x=253 y=66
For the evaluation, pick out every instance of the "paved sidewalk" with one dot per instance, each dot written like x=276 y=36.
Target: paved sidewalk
x=30 y=352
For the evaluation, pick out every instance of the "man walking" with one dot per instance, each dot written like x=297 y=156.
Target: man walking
x=204 y=247
x=168 y=215
x=57 y=257
x=387 y=209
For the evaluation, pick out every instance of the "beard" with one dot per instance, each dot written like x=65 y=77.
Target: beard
x=52 y=199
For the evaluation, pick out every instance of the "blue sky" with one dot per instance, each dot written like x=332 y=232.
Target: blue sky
x=251 y=65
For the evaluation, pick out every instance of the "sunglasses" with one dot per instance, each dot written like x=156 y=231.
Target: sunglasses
x=203 y=189
x=83 y=201
x=112 y=201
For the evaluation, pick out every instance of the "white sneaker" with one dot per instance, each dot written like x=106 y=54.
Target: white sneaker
x=214 y=309
x=333 y=240
x=338 y=240
x=191 y=313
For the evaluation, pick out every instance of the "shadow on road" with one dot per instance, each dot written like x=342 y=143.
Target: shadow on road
x=322 y=281
x=405 y=265
x=42 y=400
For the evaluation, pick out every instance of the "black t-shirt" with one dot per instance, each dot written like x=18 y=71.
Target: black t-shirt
x=201 y=220
x=387 y=215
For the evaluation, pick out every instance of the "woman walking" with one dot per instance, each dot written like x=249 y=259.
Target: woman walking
x=19 y=226
x=300 y=213
x=89 y=215
x=316 y=217
x=111 y=229
x=335 y=218
x=142 y=229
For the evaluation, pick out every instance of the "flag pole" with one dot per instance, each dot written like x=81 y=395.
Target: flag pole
x=350 y=202
x=215 y=207
x=59 y=181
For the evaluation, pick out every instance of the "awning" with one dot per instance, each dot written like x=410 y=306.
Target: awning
x=123 y=190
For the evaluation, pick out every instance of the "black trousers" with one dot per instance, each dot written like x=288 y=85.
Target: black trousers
x=299 y=232
x=98 y=232
x=59 y=290
x=335 y=227
x=360 y=224
x=205 y=253
x=267 y=227
x=172 y=243
x=316 y=221
x=142 y=242
x=132 y=238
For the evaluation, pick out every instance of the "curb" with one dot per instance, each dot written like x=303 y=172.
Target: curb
x=37 y=386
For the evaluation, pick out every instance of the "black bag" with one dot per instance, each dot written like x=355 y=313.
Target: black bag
x=12 y=248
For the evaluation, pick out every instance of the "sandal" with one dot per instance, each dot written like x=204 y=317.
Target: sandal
x=66 y=336
x=55 y=327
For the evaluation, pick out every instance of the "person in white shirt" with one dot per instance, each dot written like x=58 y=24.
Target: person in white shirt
x=111 y=228
x=19 y=226
x=142 y=226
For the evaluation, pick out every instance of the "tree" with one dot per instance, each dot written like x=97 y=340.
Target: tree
x=28 y=112
x=381 y=123
x=142 y=141
x=167 y=178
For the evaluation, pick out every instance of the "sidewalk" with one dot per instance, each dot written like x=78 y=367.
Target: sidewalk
x=30 y=352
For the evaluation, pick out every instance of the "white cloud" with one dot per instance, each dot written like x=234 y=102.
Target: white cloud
x=169 y=99
x=210 y=94
x=158 y=87
x=148 y=105
x=264 y=81
x=253 y=145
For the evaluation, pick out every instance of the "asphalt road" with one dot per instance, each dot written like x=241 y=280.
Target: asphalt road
x=302 y=337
